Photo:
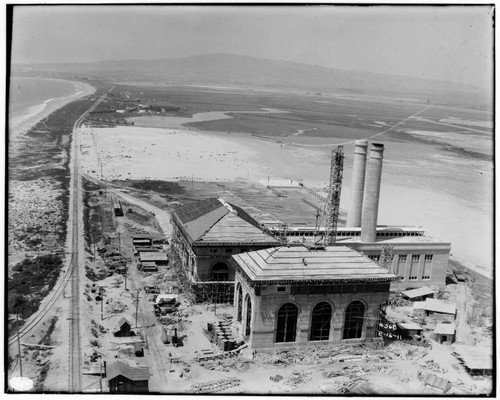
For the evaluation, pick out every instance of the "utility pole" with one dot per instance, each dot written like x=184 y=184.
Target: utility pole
x=126 y=273
x=119 y=241
x=19 y=347
x=102 y=307
x=137 y=306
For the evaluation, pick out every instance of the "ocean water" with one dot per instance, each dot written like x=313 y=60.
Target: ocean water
x=30 y=96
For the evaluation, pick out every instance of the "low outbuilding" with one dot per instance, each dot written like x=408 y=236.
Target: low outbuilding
x=123 y=378
x=123 y=328
x=431 y=306
x=419 y=294
x=478 y=360
x=445 y=333
x=409 y=330
x=158 y=257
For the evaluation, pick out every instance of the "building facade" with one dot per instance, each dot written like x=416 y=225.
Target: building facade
x=287 y=297
x=205 y=235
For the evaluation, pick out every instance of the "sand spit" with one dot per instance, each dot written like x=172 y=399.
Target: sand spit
x=36 y=113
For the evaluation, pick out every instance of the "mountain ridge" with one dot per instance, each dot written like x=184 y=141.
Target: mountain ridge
x=233 y=69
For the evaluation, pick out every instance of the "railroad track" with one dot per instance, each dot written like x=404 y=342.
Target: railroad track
x=58 y=290
x=71 y=275
x=74 y=351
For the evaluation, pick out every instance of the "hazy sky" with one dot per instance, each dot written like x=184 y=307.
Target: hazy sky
x=452 y=42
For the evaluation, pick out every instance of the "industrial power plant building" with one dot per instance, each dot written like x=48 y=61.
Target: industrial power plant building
x=419 y=259
x=207 y=233
x=298 y=296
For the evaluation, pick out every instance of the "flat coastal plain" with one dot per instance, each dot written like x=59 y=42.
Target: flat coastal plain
x=438 y=167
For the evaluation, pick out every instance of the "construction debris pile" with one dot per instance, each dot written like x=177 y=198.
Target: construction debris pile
x=215 y=386
x=323 y=354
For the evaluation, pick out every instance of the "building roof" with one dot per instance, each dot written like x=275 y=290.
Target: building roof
x=475 y=357
x=410 y=326
x=445 y=329
x=413 y=293
x=437 y=382
x=167 y=296
x=214 y=221
x=152 y=256
x=122 y=321
x=133 y=373
x=435 y=305
x=299 y=263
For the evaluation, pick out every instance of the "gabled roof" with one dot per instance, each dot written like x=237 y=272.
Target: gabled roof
x=333 y=263
x=133 y=373
x=413 y=293
x=152 y=256
x=122 y=321
x=475 y=357
x=445 y=329
x=410 y=326
x=194 y=211
x=435 y=305
x=214 y=221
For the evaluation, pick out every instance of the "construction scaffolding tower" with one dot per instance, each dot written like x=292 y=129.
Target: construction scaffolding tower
x=332 y=206
x=386 y=256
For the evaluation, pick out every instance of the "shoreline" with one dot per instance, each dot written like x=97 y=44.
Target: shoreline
x=22 y=124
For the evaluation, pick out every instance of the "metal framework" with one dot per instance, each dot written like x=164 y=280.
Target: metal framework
x=333 y=201
x=386 y=256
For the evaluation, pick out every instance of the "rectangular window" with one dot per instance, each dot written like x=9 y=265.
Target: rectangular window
x=426 y=274
x=401 y=267
x=375 y=258
x=281 y=288
x=229 y=250
x=213 y=251
x=415 y=259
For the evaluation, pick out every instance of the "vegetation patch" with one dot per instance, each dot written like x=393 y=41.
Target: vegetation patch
x=32 y=280
x=161 y=187
x=46 y=339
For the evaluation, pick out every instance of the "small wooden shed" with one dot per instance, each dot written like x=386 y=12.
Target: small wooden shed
x=123 y=378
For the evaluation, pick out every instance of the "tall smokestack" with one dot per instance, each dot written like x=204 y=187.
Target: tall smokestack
x=357 y=183
x=372 y=193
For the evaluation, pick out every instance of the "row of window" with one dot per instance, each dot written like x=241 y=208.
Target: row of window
x=347 y=233
x=227 y=250
x=414 y=273
x=287 y=317
x=288 y=314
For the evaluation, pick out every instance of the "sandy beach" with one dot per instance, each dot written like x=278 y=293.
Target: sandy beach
x=36 y=113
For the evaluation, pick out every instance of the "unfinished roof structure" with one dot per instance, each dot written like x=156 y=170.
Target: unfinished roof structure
x=300 y=263
x=216 y=222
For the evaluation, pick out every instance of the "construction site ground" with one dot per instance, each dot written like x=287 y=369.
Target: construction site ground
x=321 y=369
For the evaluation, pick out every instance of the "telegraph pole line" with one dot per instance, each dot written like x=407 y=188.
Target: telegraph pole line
x=19 y=347
x=137 y=306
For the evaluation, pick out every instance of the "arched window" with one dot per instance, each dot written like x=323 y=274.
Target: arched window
x=320 y=323
x=240 y=302
x=353 y=324
x=220 y=272
x=249 y=316
x=287 y=323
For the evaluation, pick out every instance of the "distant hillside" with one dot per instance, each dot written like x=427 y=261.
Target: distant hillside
x=227 y=70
